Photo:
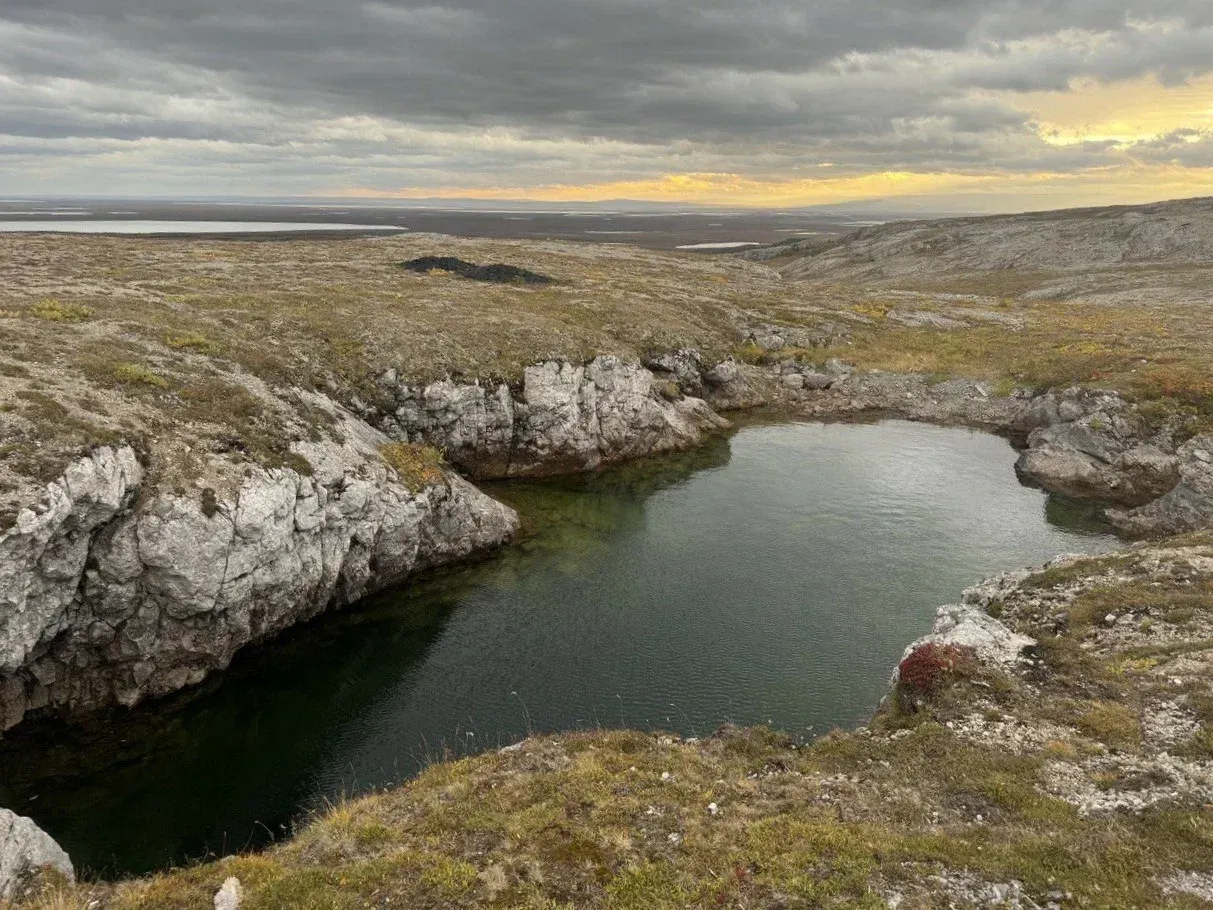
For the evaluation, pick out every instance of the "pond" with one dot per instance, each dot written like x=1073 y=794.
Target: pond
x=771 y=577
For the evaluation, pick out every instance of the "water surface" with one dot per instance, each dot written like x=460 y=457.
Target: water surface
x=102 y=226
x=772 y=577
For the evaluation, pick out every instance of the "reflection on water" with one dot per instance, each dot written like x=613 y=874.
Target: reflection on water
x=775 y=576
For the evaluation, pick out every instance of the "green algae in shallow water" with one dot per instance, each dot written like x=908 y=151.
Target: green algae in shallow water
x=774 y=576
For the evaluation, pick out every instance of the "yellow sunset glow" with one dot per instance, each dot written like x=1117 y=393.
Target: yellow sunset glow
x=1123 y=112
x=1095 y=186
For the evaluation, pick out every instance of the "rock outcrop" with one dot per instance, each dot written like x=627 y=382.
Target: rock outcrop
x=110 y=593
x=1188 y=506
x=27 y=851
x=967 y=626
x=1095 y=445
x=565 y=418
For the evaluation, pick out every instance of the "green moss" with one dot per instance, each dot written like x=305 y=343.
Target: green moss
x=138 y=374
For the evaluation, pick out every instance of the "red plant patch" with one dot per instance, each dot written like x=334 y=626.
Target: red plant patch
x=929 y=665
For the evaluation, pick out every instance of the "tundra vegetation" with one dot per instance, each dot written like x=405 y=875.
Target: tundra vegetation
x=1079 y=776
x=210 y=342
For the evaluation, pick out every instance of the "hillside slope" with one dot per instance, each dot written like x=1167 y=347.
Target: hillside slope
x=1178 y=233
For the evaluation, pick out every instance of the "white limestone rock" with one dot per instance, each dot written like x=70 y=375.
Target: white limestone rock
x=26 y=850
x=565 y=418
x=107 y=601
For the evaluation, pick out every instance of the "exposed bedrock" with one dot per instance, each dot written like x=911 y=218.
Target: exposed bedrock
x=1188 y=506
x=564 y=418
x=1095 y=444
x=110 y=593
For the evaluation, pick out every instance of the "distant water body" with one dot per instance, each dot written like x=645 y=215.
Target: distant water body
x=184 y=227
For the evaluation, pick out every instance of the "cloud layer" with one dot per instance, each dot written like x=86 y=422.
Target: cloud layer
x=797 y=101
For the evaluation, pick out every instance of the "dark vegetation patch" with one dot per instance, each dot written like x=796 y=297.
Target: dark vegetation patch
x=498 y=272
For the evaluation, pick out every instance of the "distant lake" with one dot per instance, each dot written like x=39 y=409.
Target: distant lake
x=186 y=227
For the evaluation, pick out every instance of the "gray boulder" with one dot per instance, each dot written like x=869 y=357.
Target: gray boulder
x=26 y=851
x=1094 y=445
x=731 y=386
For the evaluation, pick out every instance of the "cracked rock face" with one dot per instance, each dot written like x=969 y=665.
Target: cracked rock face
x=565 y=418
x=1095 y=445
x=1188 y=506
x=106 y=598
x=25 y=851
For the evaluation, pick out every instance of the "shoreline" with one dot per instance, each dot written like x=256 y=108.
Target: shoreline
x=994 y=702
x=1086 y=445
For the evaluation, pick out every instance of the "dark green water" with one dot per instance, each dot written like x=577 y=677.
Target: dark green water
x=772 y=577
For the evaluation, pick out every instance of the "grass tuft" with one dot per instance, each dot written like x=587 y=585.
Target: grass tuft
x=417 y=466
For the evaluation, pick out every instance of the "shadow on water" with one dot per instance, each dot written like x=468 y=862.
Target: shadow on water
x=772 y=576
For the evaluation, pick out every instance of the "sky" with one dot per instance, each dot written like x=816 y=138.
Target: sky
x=981 y=105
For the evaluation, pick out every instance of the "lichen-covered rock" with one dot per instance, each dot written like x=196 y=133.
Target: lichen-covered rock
x=565 y=418
x=26 y=851
x=1188 y=506
x=106 y=600
x=731 y=386
x=684 y=367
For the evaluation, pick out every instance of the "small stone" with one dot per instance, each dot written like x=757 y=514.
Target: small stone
x=713 y=809
x=230 y=895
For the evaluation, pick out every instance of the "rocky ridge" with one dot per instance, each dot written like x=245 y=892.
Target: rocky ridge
x=1170 y=233
x=564 y=418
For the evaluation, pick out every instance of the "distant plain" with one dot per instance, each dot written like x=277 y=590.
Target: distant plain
x=651 y=228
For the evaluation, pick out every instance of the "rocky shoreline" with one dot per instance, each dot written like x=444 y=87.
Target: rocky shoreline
x=1073 y=710
x=118 y=591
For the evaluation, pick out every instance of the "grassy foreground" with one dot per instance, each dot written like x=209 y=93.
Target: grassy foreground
x=1078 y=779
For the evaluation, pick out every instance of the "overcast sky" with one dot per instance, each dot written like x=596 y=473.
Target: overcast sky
x=1002 y=103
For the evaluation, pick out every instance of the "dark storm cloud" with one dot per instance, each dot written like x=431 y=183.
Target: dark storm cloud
x=392 y=88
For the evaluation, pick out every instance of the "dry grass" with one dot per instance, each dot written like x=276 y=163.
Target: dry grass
x=417 y=466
